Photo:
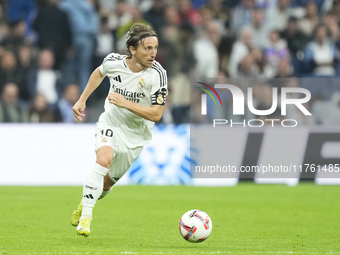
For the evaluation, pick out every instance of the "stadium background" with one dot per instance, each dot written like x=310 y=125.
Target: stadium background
x=48 y=49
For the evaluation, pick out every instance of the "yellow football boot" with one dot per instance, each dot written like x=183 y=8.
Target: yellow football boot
x=76 y=214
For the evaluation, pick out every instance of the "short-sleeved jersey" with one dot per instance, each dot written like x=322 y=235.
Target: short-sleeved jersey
x=146 y=88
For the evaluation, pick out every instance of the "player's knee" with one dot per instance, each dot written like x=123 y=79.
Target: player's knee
x=104 y=161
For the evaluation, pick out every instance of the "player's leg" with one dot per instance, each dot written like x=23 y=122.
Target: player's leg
x=107 y=187
x=93 y=187
x=94 y=183
x=124 y=158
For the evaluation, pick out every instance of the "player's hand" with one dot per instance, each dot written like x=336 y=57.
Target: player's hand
x=117 y=99
x=78 y=108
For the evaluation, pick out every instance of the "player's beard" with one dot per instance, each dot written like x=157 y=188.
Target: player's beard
x=144 y=64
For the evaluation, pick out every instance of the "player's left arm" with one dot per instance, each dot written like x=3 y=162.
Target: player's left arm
x=153 y=113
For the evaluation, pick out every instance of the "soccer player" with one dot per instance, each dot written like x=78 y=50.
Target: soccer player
x=138 y=88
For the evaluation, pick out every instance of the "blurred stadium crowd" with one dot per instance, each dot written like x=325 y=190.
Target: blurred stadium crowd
x=48 y=49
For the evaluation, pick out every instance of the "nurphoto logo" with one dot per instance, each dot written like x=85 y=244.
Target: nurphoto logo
x=239 y=104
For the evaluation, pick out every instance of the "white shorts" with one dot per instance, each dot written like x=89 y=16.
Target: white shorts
x=123 y=156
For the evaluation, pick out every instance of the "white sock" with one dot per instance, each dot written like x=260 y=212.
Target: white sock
x=92 y=189
x=105 y=193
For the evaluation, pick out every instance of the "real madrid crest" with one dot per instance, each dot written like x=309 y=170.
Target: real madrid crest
x=160 y=99
x=141 y=83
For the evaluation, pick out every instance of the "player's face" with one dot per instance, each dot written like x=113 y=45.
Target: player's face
x=146 y=51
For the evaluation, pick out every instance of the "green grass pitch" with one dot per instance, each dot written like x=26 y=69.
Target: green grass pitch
x=247 y=219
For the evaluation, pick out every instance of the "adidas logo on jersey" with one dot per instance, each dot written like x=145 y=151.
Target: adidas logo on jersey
x=117 y=78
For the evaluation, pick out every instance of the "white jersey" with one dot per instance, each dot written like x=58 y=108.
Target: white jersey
x=146 y=88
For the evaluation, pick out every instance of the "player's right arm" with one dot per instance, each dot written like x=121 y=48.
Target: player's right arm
x=95 y=79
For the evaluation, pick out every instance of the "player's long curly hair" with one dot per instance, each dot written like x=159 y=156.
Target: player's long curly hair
x=137 y=33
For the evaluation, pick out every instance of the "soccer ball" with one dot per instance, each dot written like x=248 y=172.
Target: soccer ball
x=195 y=226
